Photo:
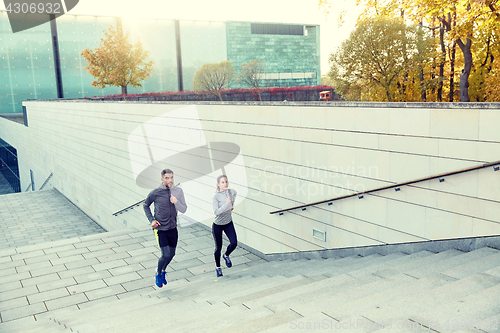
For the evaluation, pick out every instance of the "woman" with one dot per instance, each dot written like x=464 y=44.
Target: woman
x=223 y=201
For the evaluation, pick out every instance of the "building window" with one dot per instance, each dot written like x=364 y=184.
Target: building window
x=277 y=29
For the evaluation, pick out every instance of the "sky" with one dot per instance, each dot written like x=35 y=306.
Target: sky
x=277 y=11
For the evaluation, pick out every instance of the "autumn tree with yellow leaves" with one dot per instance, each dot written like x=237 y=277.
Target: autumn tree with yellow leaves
x=467 y=35
x=116 y=62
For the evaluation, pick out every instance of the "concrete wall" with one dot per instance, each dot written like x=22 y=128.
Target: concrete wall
x=287 y=155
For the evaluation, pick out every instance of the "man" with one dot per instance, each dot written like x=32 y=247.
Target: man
x=168 y=200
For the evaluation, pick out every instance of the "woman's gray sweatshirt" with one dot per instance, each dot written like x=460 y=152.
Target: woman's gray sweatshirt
x=222 y=209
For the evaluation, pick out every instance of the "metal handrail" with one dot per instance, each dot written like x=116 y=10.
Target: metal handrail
x=129 y=207
x=133 y=206
x=46 y=181
x=281 y=211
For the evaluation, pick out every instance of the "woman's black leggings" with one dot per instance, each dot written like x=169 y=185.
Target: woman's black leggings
x=217 y=233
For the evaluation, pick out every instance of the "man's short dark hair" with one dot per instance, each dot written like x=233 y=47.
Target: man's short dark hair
x=165 y=171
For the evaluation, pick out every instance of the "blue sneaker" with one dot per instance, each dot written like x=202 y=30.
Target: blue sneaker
x=228 y=261
x=163 y=277
x=219 y=271
x=159 y=282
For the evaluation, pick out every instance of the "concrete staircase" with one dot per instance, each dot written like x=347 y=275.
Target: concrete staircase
x=105 y=283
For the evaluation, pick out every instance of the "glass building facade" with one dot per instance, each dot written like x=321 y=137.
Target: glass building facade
x=28 y=70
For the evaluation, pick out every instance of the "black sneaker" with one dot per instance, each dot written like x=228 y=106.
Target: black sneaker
x=228 y=261
x=218 y=270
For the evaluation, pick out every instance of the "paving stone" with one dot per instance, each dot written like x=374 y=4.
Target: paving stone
x=126 y=269
x=93 y=303
x=114 y=256
x=15 y=277
x=66 y=301
x=46 y=257
x=76 y=272
x=104 y=252
x=207 y=250
x=131 y=241
x=93 y=276
x=7 y=252
x=13 y=303
x=48 y=270
x=109 y=265
x=200 y=246
x=25 y=255
x=103 y=246
x=17 y=292
x=23 y=311
x=180 y=274
x=152 y=264
x=86 y=286
x=48 y=295
x=104 y=292
x=40 y=279
x=42 y=287
x=135 y=293
x=144 y=233
x=35 y=266
x=118 y=279
x=9 y=286
x=5 y=259
x=89 y=243
x=63 y=248
x=7 y=271
x=116 y=238
x=10 y=264
x=187 y=263
x=189 y=255
x=83 y=263
x=146 y=250
x=127 y=248
x=73 y=252
x=67 y=260
x=139 y=284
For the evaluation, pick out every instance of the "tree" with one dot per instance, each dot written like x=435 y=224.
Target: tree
x=460 y=19
x=116 y=62
x=214 y=77
x=252 y=73
x=376 y=53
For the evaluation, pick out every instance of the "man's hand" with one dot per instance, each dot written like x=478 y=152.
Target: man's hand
x=173 y=199
x=155 y=224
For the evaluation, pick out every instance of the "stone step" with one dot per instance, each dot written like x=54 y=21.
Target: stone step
x=156 y=311
x=148 y=316
x=326 y=288
x=360 y=263
x=269 y=292
x=138 y=304
x=327 y=301
x=263 y=323
x=489 y=325
x=311 y=294
x=350 y=309
x=451 y=263
x=317 y=322
x=464 y=311
x=405 y=307
x=317 y=286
